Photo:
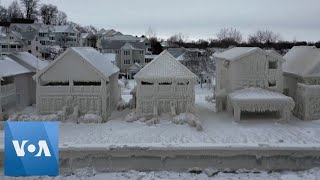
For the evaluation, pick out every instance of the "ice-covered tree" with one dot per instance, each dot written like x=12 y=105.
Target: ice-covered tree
x=3 y=14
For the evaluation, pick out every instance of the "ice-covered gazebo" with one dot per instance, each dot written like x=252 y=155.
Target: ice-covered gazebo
x=165 y=86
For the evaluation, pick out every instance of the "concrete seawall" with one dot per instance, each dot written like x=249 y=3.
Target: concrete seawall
x=103 y=159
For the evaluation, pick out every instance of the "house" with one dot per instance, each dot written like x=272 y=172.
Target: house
x=18 y=89
x=183 y=54
x=133 y=70
x=164 y=86
x=302 y=80
x=66 y=36
x=80 y=81
x=127 y=53
x=87 y=40
x=250 y=79
x=34 y=38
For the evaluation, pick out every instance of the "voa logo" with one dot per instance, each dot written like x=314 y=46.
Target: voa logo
x=31 y=149
x=42 y=146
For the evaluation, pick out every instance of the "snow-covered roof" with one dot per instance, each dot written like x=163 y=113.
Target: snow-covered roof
x=258 y=99
x=135 y=66
x=123 y=38
x=9 y=67
x=165 y=68
x=94 y=58
x=63 y=28
x=302 y=61
x=110 y=56
x=239 y=52
x=28 y=60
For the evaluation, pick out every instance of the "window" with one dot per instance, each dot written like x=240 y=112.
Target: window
x=136 y=61
x=183 y=83
x=126 y=53
x=80 y=83
x=4 y=46
x=57 y=84
x=13 y=46
x=273 y=64
x=29 y=42
x=141 y=52
x=126 y=61
x=36 y=38
x=43 y=42
x=7 y=80
x=148 y=60
x=272 y=84
x=29 y=51
x=37 y=48
x=146 y=83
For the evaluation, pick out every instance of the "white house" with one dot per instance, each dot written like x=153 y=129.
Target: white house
x=17 y=88
x=250 y=79
x=163 y=86
x=79 y=81
x=302 y=80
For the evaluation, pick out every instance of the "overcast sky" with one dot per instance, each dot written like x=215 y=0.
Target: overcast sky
x=293 y=19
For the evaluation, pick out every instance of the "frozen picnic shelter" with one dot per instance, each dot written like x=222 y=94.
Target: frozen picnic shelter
x=79 y=81
x=302 y=80
x=249 y=79
x=164 y=86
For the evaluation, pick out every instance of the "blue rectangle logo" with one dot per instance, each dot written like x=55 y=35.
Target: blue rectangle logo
x=31 y=149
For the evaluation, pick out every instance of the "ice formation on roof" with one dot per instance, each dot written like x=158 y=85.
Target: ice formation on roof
x=96 y=59
x=302 y=61
x=9 y=67
x=30 y=60
x=165 y=68
x=238 y=52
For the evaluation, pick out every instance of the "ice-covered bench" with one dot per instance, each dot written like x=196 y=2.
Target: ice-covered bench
x=260 y=100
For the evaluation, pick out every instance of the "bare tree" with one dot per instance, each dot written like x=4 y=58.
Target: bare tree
x=178 y=39
x=151 y=33
x=61 y=18
x=14 y=11
x=229 y=35
x=48 y=13
x=264 y=36
x=30 y=8
x=91 y=29
x=3 y=14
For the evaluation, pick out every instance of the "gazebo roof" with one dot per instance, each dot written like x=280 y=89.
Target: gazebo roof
x=165 y=68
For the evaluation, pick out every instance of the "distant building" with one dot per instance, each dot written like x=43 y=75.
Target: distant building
x=66 y=36
x=87 y=40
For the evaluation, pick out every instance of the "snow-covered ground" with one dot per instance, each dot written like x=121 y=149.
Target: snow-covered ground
x=219 y=129
x=313 y=174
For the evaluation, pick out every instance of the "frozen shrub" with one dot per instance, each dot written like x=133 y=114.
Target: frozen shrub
x=188 y=118
x=153 y=121
x=122 y=105
x=90 y=118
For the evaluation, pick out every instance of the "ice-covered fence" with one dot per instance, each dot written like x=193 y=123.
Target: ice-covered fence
x=308 y=102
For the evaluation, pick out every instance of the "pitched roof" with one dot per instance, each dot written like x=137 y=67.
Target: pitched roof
x=28 y=60
x=94 y=58
x=123 y=38
x=63 y=28
x=165 y=68
x=239 y=52
x=9 y=67
x=106 y=44
x=302 y=61
x=177 y=52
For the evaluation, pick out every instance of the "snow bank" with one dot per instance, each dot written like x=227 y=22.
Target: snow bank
x=188 y=118
x=90 y=118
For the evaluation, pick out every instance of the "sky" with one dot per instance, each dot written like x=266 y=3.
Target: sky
x=292 y=19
